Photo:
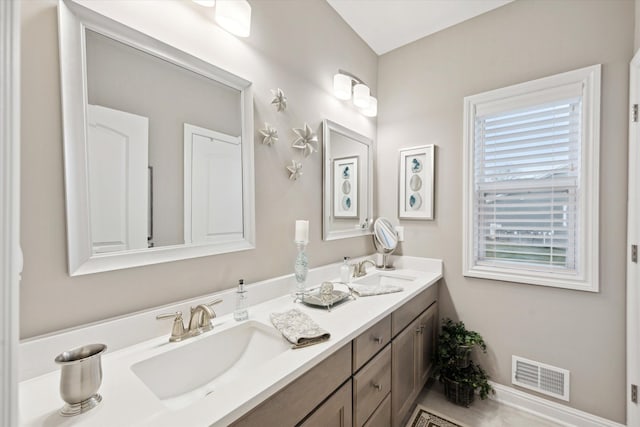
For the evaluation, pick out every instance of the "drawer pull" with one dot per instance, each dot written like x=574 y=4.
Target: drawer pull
x=378 y=340
x=376 y=386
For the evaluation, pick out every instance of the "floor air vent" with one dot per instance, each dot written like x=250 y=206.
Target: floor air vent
x=540 y=377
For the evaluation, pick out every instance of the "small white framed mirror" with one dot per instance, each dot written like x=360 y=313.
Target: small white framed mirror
x=348 y=182
x=158 y=148
x=385 y=239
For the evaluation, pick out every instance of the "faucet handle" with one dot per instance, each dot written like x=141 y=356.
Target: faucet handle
x=177 y=331
x=214 y=302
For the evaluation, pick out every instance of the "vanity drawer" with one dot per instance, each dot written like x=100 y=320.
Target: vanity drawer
x=382 y=416
x=370 y=342
x=401 y=318
x=291 y=404
x=371 y=385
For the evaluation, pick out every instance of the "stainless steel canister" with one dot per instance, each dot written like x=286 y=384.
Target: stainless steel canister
x=80 y=378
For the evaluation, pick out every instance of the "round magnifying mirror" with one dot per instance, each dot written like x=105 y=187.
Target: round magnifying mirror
x=385 y=239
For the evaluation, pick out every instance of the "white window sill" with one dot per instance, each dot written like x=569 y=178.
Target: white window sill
x=555 y=280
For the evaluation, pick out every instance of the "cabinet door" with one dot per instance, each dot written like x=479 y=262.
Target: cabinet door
x=428 y=324
x=404 y=372
x=334 y=412
x=291 y=405
x=382 y=416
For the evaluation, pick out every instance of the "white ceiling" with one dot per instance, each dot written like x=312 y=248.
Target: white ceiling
x=389 y=24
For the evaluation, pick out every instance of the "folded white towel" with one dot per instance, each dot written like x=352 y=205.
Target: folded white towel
x=298 y=328
x=368 y=290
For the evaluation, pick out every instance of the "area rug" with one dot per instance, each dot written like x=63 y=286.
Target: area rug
x=423 y=417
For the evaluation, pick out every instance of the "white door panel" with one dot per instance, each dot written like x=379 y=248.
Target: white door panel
x=118 y=179
x=213 y=186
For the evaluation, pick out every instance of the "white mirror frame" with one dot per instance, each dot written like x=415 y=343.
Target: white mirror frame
x=10 y=253
x=327 y=234
x=73 y=20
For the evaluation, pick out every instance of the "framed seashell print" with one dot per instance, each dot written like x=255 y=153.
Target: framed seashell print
x=345 y=187
x=416 y=182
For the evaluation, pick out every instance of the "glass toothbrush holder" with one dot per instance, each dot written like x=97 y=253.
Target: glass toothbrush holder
x=301 y=268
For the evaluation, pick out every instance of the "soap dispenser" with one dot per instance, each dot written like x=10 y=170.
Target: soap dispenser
x=345 y=271
x=241 y=312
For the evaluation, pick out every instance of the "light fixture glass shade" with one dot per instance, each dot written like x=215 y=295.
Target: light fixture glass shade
x=205 y=3
x=372 y=109
x=342 y=86
x=361 y=95
x=234 y=16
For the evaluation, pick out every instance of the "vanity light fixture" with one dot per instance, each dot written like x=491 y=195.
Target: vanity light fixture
x=233 y=16
x=342 y=86
x=372 y=109
x=361 y=95
x=344 y=83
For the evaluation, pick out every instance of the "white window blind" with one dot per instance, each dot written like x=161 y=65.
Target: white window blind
x=527 y=186
x=531 y=182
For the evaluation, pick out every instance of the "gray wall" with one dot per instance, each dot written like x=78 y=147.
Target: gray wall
x=421 y=88
x=636 y=39
x=296 y=46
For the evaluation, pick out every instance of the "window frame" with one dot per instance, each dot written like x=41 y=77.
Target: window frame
x=587 y=276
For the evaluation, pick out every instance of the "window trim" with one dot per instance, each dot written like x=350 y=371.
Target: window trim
x=587 y=278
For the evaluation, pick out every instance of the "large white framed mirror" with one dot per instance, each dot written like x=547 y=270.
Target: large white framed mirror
x=157 y=147
x=348 y=182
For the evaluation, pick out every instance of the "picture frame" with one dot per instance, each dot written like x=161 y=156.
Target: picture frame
x=416 y=183
x=345 y=187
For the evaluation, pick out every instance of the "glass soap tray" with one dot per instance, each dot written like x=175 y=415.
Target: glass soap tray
x=325 y=296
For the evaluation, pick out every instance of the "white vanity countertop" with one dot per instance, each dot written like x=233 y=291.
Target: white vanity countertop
x=127 y=401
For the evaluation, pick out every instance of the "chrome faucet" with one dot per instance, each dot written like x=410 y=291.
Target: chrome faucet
x=359 y=269
x=201 y=316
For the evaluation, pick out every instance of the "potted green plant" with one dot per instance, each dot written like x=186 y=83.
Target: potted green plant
x=455 y=369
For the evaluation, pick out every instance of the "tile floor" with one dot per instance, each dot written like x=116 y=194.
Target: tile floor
x=482 y=413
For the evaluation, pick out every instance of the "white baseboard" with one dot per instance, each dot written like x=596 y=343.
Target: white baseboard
x=547 y=409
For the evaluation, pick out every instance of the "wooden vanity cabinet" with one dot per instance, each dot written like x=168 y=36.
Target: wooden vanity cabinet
x=371 y=385
x=370 y=342
x=412 y=352
x=382 y=415
x=292 y=404
x=404 y=377
x=371 y=372
x=411 y=331
x=428 y=323
x=334 y=412
x=371 y=382
x=403 y=316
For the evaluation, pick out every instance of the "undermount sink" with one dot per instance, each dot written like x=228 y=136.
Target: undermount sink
x=384 y=279
x=192 y=371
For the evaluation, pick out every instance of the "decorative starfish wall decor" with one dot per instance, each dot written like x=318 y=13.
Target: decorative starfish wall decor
x=269 y=133
x=306 y=141
x=295 y=170
x=279 y=100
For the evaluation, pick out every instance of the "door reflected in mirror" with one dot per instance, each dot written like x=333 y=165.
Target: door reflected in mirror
x=166 y=138
x=348 y=159
x=147 y=114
